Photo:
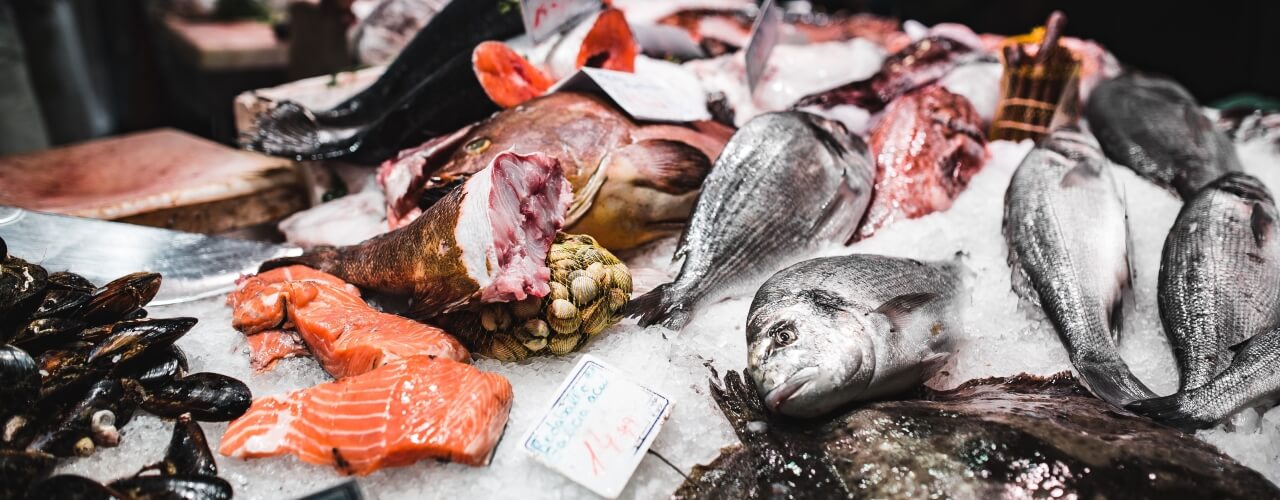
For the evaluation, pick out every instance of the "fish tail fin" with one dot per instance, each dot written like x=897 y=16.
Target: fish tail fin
x=1170 y=410
x=289 y=130
x=1113 y=382
x=659 y=306
x=323 y=259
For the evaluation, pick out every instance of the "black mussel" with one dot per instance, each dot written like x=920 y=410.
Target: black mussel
x=65 y=369
x=72 y=487
x=95 y=334
x=22 y=285
x=121 y=297
x=188 y=453
x=4 y=250
x=130 y=339
x=139 y=314
x=173 y=487
x=157 y=368
x=61 y=303
x=98 y=416
x=46 y=333
x=20 y=468
x=71 y=281
x=209 y=397
x=19 y=380
x=349 y=490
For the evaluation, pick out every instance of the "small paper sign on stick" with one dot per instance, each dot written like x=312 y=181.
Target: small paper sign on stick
x=599 y=426
x=764 y=37
x=642 y=97
x=543 y=18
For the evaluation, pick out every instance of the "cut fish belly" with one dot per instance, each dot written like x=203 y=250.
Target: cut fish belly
x=346 y=335
x=267 y=347
x=418 y=408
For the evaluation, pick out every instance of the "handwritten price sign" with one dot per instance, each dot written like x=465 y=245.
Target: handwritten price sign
x=598 y=427
x=543 y=18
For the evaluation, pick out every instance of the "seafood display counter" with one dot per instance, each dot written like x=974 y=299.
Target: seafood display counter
x=952 y=265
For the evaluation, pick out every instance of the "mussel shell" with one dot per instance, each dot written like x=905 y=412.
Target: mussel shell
x=20 y=468
x=71 y=281
x=120 y=398
x=130 y=339
x=4 y=250
x=63 y=370
x=121 y=297
x=22 y=285
x=157 y=368
x=46 y=333
x=72 y=487
x=19 y=380
x=61 y=303
x=174 y=487
x=18 y=431
x=209 y=397
x=188 y=453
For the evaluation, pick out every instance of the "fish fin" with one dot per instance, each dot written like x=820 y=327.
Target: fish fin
x=506 y=77
x=1262 y=223
x=898 y=309
x=322 y=258
x=1083 y=173
x=1113 y=382
x=1169 y=410
x=290 y=129
x=1019 y=281
x=672 y=167
x=658 y=307
x=933 y=363
x=1126 y=299
x=740 y=404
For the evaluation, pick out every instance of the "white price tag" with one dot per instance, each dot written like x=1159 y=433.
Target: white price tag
x=643 y=98
x=598 y=427
x=764 y=36
x=543 y=18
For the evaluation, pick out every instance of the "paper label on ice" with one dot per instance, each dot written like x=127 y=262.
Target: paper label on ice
x=598 y=428
x=543 y=18
x=764 y=37
x=642 y=97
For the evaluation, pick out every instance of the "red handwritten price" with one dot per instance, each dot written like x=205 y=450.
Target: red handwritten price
x=543 y=18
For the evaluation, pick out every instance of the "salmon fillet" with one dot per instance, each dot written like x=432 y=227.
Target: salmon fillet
x=346 y=335
x=273 y=345
x=416 y=408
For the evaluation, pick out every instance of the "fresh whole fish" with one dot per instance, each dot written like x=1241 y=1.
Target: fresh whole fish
x=1016 y=437
x=487 y=240
x=833 y=330
x=1065 y=226
x=785 y=182
x=918 y=64
x=391 y=25
x=632 y=183
x=927 y=146
x=1154 y=126
x=1252 y=380
x=430 y=90
x=1219 y=274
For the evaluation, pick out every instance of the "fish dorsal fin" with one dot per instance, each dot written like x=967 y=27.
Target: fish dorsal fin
x=1126 y=298
x=1081 y=174
x=898 y=309
x=1262 y=223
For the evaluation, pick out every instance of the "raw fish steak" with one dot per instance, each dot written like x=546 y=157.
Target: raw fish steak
x=344 y=333
x=418 y=408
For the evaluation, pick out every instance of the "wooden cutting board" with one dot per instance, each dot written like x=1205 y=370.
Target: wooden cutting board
x=163 y=178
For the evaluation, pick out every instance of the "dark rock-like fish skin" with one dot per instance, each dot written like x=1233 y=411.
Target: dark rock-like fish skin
x=1252 y=379
x=785 y=182
x=430 y=90
x=1015 y=437
x=1154 y=126
x=832 y=330
x=1218 y=275
x=1067 y=236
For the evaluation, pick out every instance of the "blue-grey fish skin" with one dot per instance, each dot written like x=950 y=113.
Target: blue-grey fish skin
x=1219 y=275
x=1065 y=228
x=786 y=182
x=1154 y=126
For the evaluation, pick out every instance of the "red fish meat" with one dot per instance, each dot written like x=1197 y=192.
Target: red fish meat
x=417 y=408
x=927 y=146
x=346 y=335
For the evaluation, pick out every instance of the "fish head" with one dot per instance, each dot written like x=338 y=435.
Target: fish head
x=809 y=353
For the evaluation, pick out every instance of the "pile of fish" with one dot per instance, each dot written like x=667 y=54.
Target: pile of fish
x=77 y=362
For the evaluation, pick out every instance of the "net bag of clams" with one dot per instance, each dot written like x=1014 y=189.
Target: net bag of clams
x=1039 y=76
x=589 y=287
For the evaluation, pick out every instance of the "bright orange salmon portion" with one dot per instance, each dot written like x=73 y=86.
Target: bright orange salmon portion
x=416 y=408
x=506 y=77
x=273 y=345
x=341 y=330
x=609 y=44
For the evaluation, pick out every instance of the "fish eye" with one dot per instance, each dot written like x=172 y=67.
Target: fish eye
x=785 y=335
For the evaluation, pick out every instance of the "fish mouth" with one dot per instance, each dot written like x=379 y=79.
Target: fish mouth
x=782 y=393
